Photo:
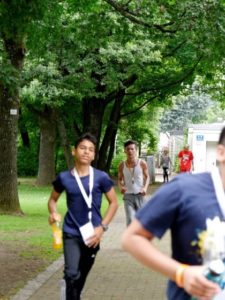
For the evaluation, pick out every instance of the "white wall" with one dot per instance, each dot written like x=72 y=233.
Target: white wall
x=203 y=143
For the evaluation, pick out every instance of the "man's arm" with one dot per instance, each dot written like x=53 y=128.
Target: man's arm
x=138 y=242
x=52 y=208
x=112 y=208
x=120 y=181
x=109 y=214
x=146 y=177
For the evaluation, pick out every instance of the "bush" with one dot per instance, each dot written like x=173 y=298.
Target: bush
x=115 y=163
x=60 y=163
x=27 y=162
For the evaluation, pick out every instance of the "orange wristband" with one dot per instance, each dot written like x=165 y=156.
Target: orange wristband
x=179 y=274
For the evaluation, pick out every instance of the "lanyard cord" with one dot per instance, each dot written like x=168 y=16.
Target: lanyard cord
x=88 y=199
x=132 y=170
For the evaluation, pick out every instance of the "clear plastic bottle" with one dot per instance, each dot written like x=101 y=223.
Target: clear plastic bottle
x=57 y=236
x=216 y=273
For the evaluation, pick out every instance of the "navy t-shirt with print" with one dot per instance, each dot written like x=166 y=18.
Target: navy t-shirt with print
x=182 y=205
x=77 y=213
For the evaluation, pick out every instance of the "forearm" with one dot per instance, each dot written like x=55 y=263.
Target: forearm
x=146 y=182
x=112 y=207
x=110 y=212
x=120 y=183
x=52 y=207
x=146 y=253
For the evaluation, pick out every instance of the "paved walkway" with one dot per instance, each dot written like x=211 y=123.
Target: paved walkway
x=115 y=275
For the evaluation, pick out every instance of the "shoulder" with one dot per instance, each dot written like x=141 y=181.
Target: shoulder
x=183 y=186
x=143 y=163
x=99 y=174
x=61 y=181
x=103 y=180
x=194 y=180
x=121 y=165
x=64 y=174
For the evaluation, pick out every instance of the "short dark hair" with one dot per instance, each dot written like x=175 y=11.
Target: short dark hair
x=86 y=136
x=222 y=137
x=130 y=142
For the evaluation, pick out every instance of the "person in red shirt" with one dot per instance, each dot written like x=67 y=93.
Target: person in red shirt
x=186 y=160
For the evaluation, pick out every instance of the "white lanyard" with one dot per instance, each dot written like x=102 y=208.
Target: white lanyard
x=88 y=199
x=217 y=181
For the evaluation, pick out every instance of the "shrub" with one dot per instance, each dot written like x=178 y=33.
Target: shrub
x=115 y=163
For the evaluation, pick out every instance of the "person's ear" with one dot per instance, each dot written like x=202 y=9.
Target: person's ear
x=73 y=151
x=220 y=154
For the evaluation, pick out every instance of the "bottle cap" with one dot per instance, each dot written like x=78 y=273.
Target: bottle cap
x=216 y=267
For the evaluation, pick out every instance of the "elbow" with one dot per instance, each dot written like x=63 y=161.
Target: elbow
x=114 y=205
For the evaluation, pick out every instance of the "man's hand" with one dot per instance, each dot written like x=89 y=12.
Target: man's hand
x=197 y=285
x=54 y=217
x=95 y=239
x=143 y=191
x=123 y=189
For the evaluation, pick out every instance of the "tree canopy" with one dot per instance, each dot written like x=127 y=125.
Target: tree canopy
x=89 y=65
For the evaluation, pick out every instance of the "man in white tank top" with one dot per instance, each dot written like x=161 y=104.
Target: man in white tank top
x=133 y=180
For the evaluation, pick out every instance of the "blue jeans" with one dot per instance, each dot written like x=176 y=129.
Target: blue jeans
x=79 y=260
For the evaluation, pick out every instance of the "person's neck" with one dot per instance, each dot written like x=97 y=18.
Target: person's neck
x=82 y=170
x=131 y=162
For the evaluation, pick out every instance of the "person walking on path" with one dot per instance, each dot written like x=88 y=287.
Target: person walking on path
x=83 y=225
x=187 y=205
x=133 y=180
x=165 y=164
x=186 y=159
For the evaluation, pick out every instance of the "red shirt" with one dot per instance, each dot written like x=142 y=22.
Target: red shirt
x=186 y=157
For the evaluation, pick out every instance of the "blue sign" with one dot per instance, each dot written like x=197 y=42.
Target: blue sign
x=200 y=137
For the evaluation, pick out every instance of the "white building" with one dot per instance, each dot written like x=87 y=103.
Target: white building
x=203 y=139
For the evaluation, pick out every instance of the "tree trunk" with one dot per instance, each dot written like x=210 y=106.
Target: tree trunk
x=65 y=143
x=46 y=169
x=111 y=151
x=110 y=133
x=9 y=110
x=93 y=111
x=9 y=200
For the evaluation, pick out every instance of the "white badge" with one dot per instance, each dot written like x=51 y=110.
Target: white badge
x=87 y=230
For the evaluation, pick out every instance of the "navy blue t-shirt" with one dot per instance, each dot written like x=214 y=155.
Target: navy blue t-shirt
x=77 y=214
x=182 y=205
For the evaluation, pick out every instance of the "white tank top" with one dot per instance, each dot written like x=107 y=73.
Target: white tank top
x=133 y=178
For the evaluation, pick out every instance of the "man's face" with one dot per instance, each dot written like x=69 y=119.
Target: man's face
x=131 y=151
x=85 y=152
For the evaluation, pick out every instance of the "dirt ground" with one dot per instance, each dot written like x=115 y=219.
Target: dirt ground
x=16 y=270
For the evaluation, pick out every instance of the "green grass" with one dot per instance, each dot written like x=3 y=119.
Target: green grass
x=32 y=230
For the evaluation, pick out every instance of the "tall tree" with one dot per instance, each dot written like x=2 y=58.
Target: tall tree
x=15 y=19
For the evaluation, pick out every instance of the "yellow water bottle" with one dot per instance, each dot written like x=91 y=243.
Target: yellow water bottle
x=57 y=236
